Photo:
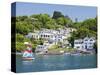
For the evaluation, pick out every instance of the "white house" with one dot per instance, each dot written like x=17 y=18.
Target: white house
x=89 y=43
x=46 y=35
x=32 y=35
x=84 y=44
x=35 y=36
x=29 y=35
x=41 y=48
x=78 y=44
x=50 y=35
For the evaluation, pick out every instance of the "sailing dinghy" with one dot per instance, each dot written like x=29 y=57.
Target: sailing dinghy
x=28 y=55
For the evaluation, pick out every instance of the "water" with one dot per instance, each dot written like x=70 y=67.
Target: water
x=55 y=62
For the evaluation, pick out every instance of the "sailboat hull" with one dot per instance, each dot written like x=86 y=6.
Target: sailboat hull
x=28 y=58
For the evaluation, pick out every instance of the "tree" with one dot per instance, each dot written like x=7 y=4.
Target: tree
x=80 y=34
x=90 y=24
x=43 y=18
x=19 y=37
x=21 y=18
x=61 y=21
x=64 y=21
x=57 y=15
x=20 y=46
x=77 y=25
x=71 y=40
x=23 y=27
x=95 y=46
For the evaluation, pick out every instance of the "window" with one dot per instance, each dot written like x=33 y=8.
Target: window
x=80 y=42
x=91 y=47
x=91 y=40
x=90 y=43
x=86 y=40
x=45 y=36
x=76 y=42
x=41 y=35
x=78 y=47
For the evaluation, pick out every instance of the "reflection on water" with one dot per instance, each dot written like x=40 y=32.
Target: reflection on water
x=55 y=62
x=27 y=62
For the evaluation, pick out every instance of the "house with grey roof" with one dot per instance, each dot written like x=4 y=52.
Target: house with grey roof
x=41 y=48
x=85 y=44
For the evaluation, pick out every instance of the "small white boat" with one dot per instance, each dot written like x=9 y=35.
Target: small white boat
x=67 y=53
x=76 y=54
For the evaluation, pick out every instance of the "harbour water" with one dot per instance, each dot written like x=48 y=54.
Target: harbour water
x=55 y=62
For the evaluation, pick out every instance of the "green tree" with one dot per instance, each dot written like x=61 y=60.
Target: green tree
x=95 y=46
x=64 y=21
x=90 y=24
x=19 y=37
x=80 y=34
x=71 y=40
x=57 y=15
x=43 y=18
x=77 y=25
x=21 y=18
x=23 y=27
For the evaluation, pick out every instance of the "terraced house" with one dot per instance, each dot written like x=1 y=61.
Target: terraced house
x=85 y=44
x=51 y=35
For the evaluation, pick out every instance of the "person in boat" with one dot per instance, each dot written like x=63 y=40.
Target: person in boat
x=28 y=52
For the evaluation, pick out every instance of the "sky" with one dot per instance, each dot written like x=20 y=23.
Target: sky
x=73 y=11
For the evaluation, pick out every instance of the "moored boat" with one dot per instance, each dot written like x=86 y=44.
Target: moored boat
x=28 y=58
x=28 y=54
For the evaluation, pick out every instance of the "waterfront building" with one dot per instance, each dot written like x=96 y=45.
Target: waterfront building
x=84 y=44
x=49 y=34
x=41 y=48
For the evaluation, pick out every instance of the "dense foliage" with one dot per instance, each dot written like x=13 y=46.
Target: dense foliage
x=87 y=28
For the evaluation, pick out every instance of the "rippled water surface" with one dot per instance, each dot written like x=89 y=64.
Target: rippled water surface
x=55 y=62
